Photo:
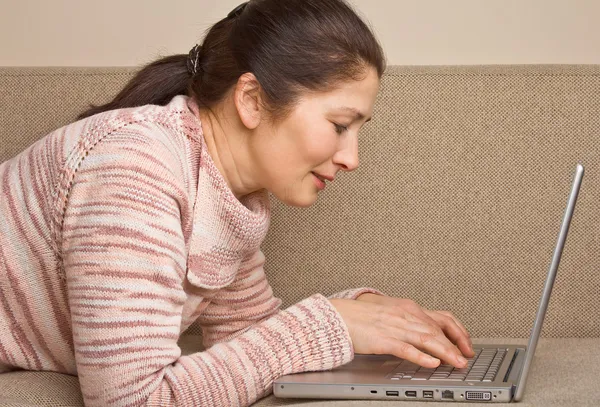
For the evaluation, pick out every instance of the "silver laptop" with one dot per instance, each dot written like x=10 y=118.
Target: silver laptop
x=497 y=373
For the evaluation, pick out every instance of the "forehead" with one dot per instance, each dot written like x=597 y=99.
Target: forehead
x=350 y=97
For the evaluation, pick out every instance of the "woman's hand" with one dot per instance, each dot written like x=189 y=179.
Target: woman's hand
x=400 y=327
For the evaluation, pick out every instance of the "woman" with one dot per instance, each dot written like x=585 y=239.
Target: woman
x=122 y=229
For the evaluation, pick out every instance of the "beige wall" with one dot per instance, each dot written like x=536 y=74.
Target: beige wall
x=131 y=32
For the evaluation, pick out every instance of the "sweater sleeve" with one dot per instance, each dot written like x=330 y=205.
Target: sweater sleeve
x=246 y=301
x=124 y=259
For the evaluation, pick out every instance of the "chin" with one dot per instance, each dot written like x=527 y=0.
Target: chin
x=299 y=201
x=305 y=204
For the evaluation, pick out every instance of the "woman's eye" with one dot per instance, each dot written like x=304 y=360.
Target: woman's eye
x=339 y=129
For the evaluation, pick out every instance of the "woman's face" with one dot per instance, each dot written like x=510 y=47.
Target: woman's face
x=318 y=139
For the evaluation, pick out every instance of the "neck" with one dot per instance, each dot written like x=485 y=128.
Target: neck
x=227 y=150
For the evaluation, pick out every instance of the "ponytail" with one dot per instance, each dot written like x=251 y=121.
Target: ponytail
x=157 y=83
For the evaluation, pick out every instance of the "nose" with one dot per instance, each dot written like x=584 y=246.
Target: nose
x=347 y=155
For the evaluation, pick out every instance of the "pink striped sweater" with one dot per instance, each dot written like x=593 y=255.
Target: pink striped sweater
x=117 y=233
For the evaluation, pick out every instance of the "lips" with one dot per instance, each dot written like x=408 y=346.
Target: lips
x=323 y=177
x=319 y=176
x=319 y=181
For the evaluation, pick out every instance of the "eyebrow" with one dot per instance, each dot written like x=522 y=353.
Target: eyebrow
x=357 y=114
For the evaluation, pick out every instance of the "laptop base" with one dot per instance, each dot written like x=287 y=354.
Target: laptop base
x=367 y=378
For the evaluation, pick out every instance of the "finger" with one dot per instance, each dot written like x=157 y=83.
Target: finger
x=411 y=311
x=405 y=350
x=445 y=318
x=453 y=331
x=449 y=328
x=462 y=328
x=418 y=321
x=424 y=337
x=460 y=325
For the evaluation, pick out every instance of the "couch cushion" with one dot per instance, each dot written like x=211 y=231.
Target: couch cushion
x=39 y=389
x=565 y=373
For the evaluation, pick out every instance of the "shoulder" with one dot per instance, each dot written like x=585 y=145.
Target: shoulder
x=155 y=129
x=151 y=139
x=127 y=150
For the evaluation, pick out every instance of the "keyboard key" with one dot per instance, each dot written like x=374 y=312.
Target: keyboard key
x=483 y=366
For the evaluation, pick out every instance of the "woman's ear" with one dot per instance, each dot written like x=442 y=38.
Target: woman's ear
x=247 y=99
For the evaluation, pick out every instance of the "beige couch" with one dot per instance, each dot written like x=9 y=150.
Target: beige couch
x=464 y=176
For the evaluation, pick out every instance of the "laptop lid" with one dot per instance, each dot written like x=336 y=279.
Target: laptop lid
x=539 y=319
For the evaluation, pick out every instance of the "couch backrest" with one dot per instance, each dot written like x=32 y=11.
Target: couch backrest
x=464 y=177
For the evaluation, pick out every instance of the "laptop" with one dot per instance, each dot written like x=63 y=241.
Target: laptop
x=497 y=373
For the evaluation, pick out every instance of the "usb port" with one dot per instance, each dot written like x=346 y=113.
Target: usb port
x=427 y=394
x=411 y=393
x=392 y=393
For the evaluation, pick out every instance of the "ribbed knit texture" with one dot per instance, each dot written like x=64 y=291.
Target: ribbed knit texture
x=117 y=233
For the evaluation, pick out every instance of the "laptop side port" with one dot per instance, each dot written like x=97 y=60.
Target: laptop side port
x=479 y=395
x=410 y=393
x=427 y=394
x=392 y=393
x=447 y=395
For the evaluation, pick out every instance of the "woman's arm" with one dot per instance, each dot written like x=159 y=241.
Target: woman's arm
x=247 y=301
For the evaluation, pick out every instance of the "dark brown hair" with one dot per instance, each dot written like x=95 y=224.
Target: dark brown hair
x=290 y=46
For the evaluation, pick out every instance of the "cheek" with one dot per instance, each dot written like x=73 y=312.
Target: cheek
x=317 y=145
x=294 y=151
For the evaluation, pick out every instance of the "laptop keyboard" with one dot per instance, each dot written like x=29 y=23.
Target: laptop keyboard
x=482 y=367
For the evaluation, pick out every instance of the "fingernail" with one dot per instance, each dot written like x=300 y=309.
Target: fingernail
x=462 y=360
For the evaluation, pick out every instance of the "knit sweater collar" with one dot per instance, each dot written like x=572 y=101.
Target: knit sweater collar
x=225 y=230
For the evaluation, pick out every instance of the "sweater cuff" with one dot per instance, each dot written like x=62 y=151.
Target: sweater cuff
x=354 y=293
x=319 y=339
